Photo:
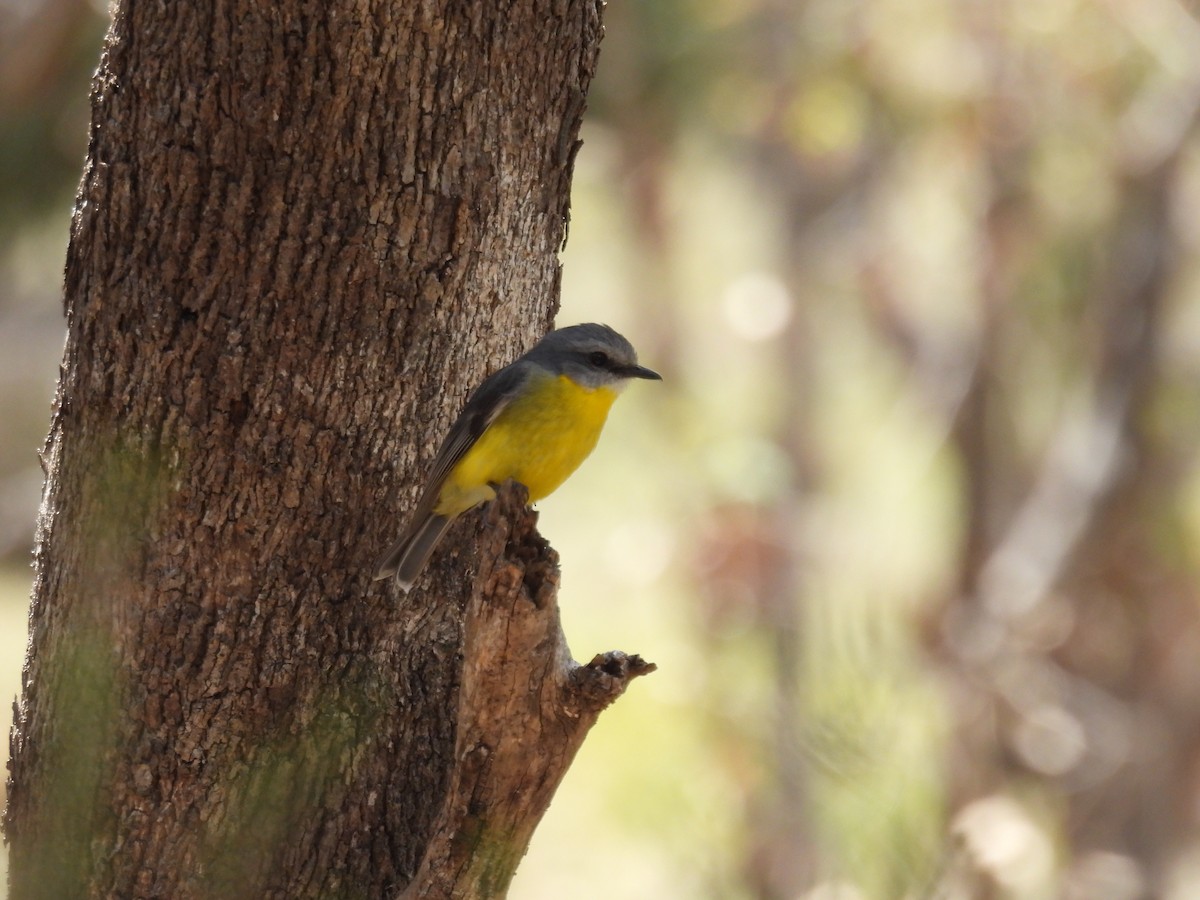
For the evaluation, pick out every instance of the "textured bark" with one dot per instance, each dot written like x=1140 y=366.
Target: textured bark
x=305 y=230
x=523 y=711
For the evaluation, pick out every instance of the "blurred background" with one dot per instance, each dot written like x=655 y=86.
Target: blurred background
x=912 y=528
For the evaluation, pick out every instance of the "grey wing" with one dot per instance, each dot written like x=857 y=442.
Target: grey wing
x=424 y=528
x=489 y=400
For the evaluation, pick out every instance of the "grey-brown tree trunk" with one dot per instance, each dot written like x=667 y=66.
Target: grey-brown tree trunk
x=305 y=230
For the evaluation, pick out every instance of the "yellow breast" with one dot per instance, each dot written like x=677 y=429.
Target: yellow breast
x=539 y=440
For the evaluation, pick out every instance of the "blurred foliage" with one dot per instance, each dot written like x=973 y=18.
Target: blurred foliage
x=81 y=757
x=48 y=50
x=274 y=787
x=910 y=527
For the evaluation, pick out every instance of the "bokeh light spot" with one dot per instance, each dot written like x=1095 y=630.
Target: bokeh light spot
x=757 y=306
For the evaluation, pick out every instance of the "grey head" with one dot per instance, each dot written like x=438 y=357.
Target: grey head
x=590 y=355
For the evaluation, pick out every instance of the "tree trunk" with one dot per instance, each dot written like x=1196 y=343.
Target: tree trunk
x=304 y=232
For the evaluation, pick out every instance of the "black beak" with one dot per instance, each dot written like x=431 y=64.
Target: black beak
x=639 y=372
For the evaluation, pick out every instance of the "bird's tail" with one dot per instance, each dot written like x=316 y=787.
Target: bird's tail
x=407 y=557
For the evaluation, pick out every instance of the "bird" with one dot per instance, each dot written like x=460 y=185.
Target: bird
x=533 y=421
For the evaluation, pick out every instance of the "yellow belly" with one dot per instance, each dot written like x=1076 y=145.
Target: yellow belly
x=539 y=440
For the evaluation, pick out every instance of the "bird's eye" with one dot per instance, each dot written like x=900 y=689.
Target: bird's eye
x=599 y=358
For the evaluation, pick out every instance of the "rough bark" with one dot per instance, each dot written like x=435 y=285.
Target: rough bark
x=304 y=231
